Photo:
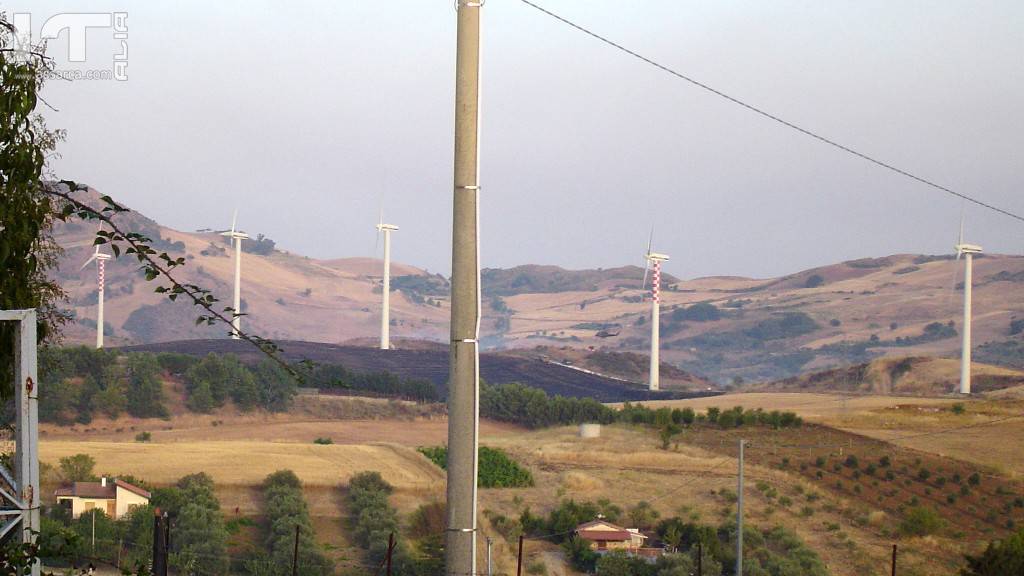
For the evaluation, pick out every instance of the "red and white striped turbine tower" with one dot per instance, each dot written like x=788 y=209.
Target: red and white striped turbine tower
x=101 y=261
x=653 y=262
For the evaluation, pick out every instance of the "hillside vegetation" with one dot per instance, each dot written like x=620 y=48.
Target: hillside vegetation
x=906 y=376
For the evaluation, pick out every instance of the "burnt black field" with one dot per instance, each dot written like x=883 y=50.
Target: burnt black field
x=433 y=365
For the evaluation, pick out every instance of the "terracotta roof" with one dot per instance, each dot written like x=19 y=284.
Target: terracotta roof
x=605 y=535
x=98 y=490
x=614 y=533
x=89 y=490
x=133 y=489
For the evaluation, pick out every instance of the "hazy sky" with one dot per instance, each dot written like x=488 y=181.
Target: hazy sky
x=308 y=116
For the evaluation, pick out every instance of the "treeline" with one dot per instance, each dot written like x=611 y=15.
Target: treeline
x=286 y=511
x=78 y=383
x=734 y=417
x=216 y=378
x=375 y=521
x=495 y=468
x=81 y=383
x=337 y=377
x=533 y=408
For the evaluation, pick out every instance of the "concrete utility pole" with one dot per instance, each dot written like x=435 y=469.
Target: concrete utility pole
x=739 y=515
x=463 y=388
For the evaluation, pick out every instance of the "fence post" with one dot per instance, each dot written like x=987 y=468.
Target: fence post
x=893 y=560
x=295 y=553
x=391 y=548
x=700 y=558
x=519 y=562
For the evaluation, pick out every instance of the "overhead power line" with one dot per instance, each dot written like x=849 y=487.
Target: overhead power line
x=773 y=117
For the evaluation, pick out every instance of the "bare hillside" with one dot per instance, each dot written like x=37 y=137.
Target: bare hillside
x=722 y=328
x=907 y=376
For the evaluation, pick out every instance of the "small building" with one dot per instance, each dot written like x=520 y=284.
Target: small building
x=605 y=536
x=114 y=497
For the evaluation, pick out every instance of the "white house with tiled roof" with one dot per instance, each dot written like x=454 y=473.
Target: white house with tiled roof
x=604 y=535
x=114 y=497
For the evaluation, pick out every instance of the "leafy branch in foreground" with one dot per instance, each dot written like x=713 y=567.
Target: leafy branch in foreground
x=156 y=265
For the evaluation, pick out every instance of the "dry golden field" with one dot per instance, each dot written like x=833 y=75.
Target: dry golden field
x=247 y=463
x=624 y=465
x=911 y=422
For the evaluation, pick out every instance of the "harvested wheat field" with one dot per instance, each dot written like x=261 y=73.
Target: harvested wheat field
x=248 y=463
x=814 y=407
x=406 y=433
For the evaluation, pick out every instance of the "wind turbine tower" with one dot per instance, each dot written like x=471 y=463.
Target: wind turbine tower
x=967 y=251
x=101 y=265
x=236 y=239
x=385 y=316
x=654 y=261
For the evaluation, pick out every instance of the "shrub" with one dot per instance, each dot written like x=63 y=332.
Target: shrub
x=324 y=441
x=813 y=281
x=851 y=462
x=496 y=469
x=143 y=437
x=958 y=408
x=921 y=521
x=285 y=508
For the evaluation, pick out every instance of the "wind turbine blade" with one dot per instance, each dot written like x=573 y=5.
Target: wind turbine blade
x=89 y=261
x=647 y=268
x=952 y=284
x=650 y=240
x=234 y=219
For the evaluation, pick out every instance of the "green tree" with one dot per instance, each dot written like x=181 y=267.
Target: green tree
x=200 y=398
x=618 y=563
x=1001 y=557
x=921 y=521
x=199 y=545
x=285 y=509
x=277 y=386
x=643 y=515
x=667 y=432
x=28 y=252
x=145 y=389
x=77 y=468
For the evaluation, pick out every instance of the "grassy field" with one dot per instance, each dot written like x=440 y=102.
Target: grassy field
x=850 y=520
x=910 y=422
x=247 y=463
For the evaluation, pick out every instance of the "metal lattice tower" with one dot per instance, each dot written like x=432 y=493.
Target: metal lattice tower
x=19 y=491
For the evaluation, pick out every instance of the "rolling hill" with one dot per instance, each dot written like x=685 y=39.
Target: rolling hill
x=727 y=329
x=432 y=364
x=901 y=376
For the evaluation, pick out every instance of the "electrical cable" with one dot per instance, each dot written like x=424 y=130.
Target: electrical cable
x=773 y=117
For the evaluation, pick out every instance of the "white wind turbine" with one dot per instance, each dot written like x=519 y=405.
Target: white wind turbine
x=967 y=251
x=101 y=264
x=385 y=316
x=236 y=239
x=653 y=262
